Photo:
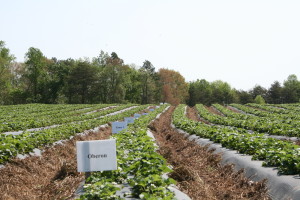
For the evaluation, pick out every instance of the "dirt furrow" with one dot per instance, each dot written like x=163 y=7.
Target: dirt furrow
x=192 y=113
x=51 y=176
x=214 y=111
x=199 y=172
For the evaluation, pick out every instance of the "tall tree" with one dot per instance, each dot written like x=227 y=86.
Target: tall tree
x=222 y=92
x=200 y=91
x=133 y=85
x=35 y=63
x=147 y=78
x=244 y=97
x=174 y=87
x=258 y=90
x=80 y=82
x=259 y=100
x=291 y=89
x=114 y=71
x=55 y=80
x=274 y=93
x=6 y=60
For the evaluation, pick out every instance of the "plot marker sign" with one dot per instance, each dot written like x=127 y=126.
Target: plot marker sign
x=136 y=115
x=118 y=126
x=129 y=120
x=96 y=155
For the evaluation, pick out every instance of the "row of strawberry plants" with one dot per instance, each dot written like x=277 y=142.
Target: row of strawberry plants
x=56 y=109
x=293 y=107
x=275 y=153
x=55 y=119
x=138 y=165
x=11 y=145
x=30 y=108
x=289 y=118
x=35 y=109
x=283 y=109
x=260 y=124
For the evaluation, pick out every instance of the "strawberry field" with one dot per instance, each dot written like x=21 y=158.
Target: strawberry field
x=145 y=162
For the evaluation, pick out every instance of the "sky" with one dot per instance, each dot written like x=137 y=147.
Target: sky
x=244 y=43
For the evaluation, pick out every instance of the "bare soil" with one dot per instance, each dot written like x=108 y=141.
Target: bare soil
x=233 y=110
x=51 y=176
x=214 y=111
x=198 y=172
x=192 y=113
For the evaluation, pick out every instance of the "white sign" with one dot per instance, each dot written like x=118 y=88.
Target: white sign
x=96 y=155
x=151 y=109
x=136 y=115
x=157 y=106
x=129 y=120
x=144 y=113
x=118 y=126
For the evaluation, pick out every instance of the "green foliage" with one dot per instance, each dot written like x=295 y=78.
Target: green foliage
x=107 y=79
x=11 y=145
x=201 y=91
x=275 y=153
x=35 y=71
x=80 y=82
x=274 y=94
x=148 y=79
x=5 y=74
x=259 y=100
x=138 y=165
x=291 y=90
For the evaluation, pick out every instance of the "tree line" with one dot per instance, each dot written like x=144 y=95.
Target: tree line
x=102 y=79
x=202 y=91
x=107 y=79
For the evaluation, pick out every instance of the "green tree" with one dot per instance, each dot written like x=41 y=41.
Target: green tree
x=55 y=80
x=35 y=63
x=148 y=78
x=244 y=97
x=222 y=92
x=259 y=100
x=113 y=73
x=200 y=91
x=274 y=94
x=291 y=89
x=80 y=82
x=19 y=93
x=133 y=85
x=258 y=90
x=6 y=60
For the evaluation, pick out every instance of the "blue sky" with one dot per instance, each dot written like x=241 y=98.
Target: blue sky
x=241 y=42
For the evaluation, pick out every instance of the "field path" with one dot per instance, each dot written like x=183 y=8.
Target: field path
x=199 y=173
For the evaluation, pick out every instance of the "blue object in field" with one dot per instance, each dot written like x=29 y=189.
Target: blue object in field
x=129 y=120
x=118 y=126
x=136 y=115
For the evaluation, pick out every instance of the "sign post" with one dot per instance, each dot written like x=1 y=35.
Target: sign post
x=96 y=155
x=118 y=126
